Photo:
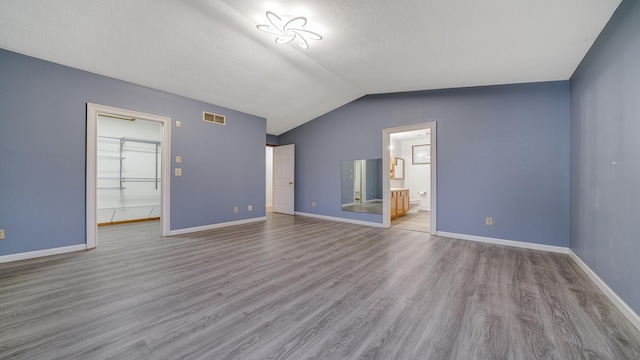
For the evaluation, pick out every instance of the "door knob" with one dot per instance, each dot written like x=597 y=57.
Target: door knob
x=290 y=182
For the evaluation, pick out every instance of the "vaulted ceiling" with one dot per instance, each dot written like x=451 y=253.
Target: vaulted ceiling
x=212 y=50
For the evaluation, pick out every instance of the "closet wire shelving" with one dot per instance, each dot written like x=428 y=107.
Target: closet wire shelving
x=122 y=179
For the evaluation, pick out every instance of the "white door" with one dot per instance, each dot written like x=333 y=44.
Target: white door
x=283 y=179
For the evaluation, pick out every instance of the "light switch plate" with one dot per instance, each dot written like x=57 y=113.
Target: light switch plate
x=178 y=172
x=1 y=234
x=250 y=207
x=178 y=123
x=178 y=159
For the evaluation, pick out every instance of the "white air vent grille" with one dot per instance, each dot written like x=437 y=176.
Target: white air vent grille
x=214 y=118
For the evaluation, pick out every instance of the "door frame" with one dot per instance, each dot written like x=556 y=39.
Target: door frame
x=386 y=169
x=93 y=110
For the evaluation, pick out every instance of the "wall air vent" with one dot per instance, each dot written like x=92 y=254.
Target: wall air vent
x=214 y=118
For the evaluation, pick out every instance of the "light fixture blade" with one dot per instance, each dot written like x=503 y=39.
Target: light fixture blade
x=297 y=22
x=289 y=28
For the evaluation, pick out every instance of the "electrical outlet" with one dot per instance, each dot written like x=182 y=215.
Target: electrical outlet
x=313 y=204
x=250 y=207
x=489 y=221
x=178 y=172
x=178 y=123
x=235 y=209
x=178 y=159
x=1 y=234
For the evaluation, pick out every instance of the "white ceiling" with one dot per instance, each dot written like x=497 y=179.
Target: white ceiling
x=211 y=50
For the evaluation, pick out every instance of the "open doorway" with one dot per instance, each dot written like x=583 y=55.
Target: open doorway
x=128 y=168
x=409 y=159
x=269 y=178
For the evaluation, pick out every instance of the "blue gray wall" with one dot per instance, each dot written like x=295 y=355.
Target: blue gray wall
x=347 y=188
x=503 y=152
x=43 y=147
x=272 y=140
x=374 y=179
x=605 y=155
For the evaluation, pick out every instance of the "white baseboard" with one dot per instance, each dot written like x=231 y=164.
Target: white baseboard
x=520 y=244
x=615 y=299
x=332 y=218
x=41 y=253
x=215 y=226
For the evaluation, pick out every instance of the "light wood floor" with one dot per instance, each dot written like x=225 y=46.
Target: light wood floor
x=304 y=288
x=415 y=221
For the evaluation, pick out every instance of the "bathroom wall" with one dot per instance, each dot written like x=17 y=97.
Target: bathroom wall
x=417 y=177
x=396 y=151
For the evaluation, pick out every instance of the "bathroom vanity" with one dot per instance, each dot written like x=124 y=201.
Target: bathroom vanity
x=399 y=202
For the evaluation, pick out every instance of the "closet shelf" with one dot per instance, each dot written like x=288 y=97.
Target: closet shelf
x=122 y=179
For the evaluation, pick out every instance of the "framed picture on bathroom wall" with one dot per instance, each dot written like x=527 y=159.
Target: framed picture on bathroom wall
x=421 y=154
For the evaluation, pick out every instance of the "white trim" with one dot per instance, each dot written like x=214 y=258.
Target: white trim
x=615 y=299
x=339 y=219
x=215 y=226
x=41 y=253
x=519 y=244
x=386 y=158
x=91 y=217
x=91 y=172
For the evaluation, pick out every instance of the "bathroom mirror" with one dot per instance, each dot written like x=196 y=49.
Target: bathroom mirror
x=397 y=168
x=362 y=186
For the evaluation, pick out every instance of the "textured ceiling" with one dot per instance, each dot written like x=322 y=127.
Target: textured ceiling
x=212 y=51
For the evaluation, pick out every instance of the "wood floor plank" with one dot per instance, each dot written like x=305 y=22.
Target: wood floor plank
x=303 y=288
x=533 y=335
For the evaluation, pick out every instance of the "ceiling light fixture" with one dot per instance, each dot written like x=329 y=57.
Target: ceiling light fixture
x=289 y=28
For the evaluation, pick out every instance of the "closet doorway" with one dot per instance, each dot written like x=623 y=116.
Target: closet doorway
x=128 y=168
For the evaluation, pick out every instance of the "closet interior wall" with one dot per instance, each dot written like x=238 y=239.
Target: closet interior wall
x=128 y=171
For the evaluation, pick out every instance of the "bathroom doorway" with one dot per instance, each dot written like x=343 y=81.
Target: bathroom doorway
x=410 y=186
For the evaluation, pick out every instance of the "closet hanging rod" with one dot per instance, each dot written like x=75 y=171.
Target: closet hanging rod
x=129 y=179
x=125 y=139
x=140 y=180
x=117 y=117
x=110 y=157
